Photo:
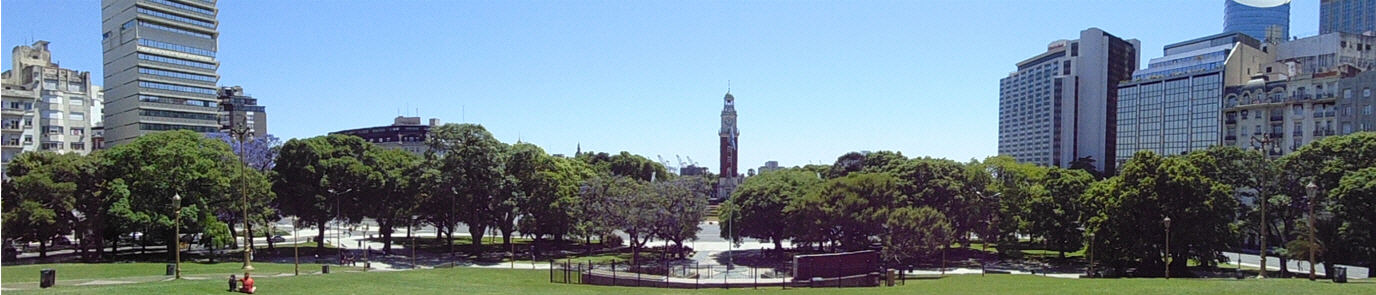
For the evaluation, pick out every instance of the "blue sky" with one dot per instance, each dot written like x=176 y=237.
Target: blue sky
x=812 y=79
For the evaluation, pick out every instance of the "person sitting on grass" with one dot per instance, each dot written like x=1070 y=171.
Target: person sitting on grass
x=233 y=283
x=248 y=285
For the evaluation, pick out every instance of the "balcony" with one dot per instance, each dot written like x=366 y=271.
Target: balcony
x=1274 y=135
x=1230 y=121
x=1230 y=137
x=1277 y=118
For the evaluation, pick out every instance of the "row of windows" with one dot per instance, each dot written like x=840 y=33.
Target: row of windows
x=179 y=75
x=179 y=115
x=165 y=127
x=196 y=22
x=176 y=61
x=179 y=88
x=171 y=100
x=176 y=47
x=204 y=11
x=175 y=30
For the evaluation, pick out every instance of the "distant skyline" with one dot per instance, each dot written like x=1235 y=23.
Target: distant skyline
x=812 y=80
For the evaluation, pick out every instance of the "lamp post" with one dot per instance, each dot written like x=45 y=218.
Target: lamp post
x=1313 y=191
x=1167 y=220
x=295 y=246
x=239 y=131
x=1261 y=144
x=177 y=235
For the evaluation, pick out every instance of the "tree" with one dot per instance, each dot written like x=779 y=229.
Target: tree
x=260 y=155
x=39 y=205
x=146 y=172
x=914 y=232
x=683 y=205
x=552 y=202
x=848 y=211
x=1131 y=207
x=1010 y=186
x=1086 y=164
x=845 y=164
x=393 y=190
x=757 y=208
x=321 y=178
x=1326 y=163
x=1354 y=202
x=471 y=171
x=621 y=203
x=1055 y=216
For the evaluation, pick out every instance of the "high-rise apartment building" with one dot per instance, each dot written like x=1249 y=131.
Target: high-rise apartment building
x=1173 y=106
x=1351 y=16
x=159 y=67
x=240 y=109
x=1267 y=20
x=45 y=107
x=1060 y=105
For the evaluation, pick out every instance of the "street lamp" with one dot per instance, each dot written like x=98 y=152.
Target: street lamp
x=1167 y=220
x=1313 y=191
x=177 y=236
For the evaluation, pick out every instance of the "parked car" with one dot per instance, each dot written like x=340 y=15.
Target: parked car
x=278 y=239
x=62 y=241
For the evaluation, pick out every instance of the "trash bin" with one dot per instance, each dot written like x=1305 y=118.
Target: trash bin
x=47 y=277
x=325 y=268
x=1339 y=274
x=171 y=269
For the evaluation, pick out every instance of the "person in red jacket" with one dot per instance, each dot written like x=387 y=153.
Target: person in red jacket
x=247 y=285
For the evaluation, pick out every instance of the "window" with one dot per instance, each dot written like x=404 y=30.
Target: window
x=1347 y=93
x=175 y=30
x=178 y=88
x=52 y=130
x=179 y=75
x=76 y=101
x=76 y=87
x=50 y=84
x=78 y=131
x=179 y=115
x=126 y=25
x=162 y=127
x=78 y=145
x=52 y=114
x=53 y=99
x=52 y=145
x=77 y=116
x=1366 y=110
x=176 y=47
x=170 y=100
x=176 y=61
x=1366 y=93
x=200 y=23
x=199 y=10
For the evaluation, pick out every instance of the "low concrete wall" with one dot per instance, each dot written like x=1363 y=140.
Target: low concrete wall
x=836 y=264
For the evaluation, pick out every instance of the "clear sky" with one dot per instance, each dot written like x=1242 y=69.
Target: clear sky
x=812 y=79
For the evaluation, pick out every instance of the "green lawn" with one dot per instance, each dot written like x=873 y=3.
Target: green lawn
x=503 y=281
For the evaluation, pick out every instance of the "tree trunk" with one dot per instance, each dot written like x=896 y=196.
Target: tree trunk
x=476 y=237
x=42 y=250
x=778 y=245
x=268 y=233
x=384 y=228
x=320 y=239
x=506 y=237
x=233 y=233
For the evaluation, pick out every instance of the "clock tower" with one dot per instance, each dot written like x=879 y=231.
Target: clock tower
x=729 y=135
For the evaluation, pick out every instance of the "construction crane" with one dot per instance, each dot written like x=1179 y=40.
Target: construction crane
x=680 y=161
x=671 y=168
x=691 y=162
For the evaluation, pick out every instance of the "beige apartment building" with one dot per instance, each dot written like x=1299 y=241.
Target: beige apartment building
x=46 y=107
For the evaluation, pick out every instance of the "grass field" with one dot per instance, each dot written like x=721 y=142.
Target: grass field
x=504 y=281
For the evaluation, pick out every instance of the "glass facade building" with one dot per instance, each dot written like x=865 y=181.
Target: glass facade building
x=1349 y=16
x=1256 y=17
x=159 y=67
x=1174 y=105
